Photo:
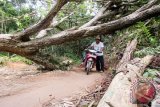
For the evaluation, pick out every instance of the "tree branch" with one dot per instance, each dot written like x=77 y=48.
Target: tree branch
x=24 y=35
x=105 y=28
x=43 y=32
x=148 y=5
x=98 y=16
x=104 y=13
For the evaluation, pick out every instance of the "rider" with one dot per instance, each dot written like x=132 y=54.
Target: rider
x=99 y=47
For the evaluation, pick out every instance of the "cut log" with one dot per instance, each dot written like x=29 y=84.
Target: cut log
x=126 y=56
x=118 y=93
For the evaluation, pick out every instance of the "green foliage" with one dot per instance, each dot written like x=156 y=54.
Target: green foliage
x=147 y=51
x=14 y=18
x=21 y=59
x=4 y=59
x=147 y=34
x=3 y=54
x=81 y=14
x=56 y=60
x=72 y=56
x=145 y=38
x=150 y=73
x=61 y=51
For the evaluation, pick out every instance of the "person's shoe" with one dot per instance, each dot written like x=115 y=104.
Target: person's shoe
x=81 y=65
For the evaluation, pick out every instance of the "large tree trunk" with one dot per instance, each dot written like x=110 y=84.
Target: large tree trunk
x=118 y=93
x=48 y=61
x=106 y=28
x=31 y=53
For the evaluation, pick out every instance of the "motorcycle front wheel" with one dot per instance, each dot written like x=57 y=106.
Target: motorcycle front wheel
x=88 y=67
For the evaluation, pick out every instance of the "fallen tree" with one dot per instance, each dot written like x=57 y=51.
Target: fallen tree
x=21 y=44
x=128 y=69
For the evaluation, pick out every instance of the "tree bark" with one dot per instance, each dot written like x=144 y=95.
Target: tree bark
x=24 y=35
x=48 y=61
x=101 y=14
x=118 y=93
x=126 y=56
x=106 y=28
x=43 y=32
x=148 y=5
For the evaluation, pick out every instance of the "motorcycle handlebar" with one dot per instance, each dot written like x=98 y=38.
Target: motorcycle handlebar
x=94 y=50
x=99 y=52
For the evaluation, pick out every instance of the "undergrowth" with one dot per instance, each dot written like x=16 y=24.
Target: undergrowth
x=4 y=59
x=147 y=34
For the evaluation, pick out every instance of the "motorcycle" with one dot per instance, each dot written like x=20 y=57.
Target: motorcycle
x=90 y=59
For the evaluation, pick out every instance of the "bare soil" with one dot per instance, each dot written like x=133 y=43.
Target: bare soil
x=22 y=85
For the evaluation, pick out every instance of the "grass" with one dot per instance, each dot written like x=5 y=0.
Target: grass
x=20 y=59
x=4 y=59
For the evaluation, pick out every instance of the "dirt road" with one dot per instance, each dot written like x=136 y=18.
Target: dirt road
x=33 y=91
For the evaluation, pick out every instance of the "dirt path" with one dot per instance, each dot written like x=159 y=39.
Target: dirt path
x=33 y=91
